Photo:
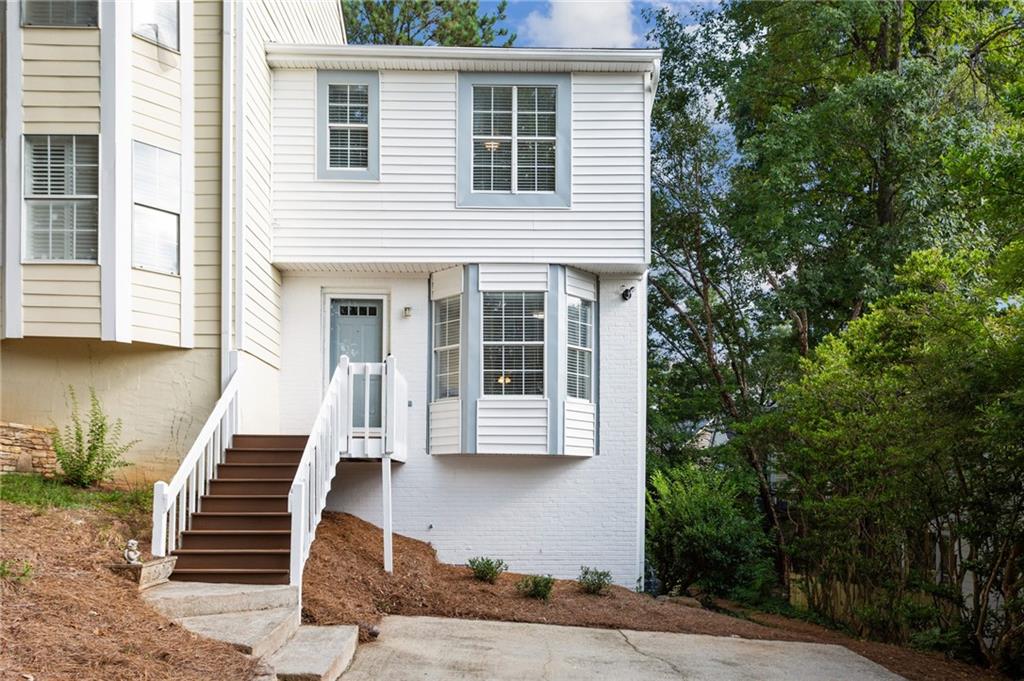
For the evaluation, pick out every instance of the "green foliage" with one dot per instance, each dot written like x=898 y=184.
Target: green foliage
x=425 y=22
x=10 y=573
x=594 y=581
x=901 y=445
x=697 y=531
x=88 y=454
x=38 y=492
x=536 y=586
x=487 y=569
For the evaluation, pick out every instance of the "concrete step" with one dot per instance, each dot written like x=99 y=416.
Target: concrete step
x=253 y=632
x=316 y=653
x=189 y=599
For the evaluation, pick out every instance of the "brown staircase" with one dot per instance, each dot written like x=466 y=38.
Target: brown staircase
x=242 y=531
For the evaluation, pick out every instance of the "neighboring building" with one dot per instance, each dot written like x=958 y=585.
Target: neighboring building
x=468 y=227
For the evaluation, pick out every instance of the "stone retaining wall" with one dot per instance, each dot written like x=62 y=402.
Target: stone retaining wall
x=26 y=449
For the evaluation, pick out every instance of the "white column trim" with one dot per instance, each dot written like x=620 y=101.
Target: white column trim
x=115 y=203
x=240 y=175
x=13 y=158
x=187 y=220
x=641 y=434
x=226 y=189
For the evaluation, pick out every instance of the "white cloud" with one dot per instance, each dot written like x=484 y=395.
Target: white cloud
x=581 y=23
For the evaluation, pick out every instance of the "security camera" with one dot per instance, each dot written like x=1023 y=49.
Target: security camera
x=627 y=292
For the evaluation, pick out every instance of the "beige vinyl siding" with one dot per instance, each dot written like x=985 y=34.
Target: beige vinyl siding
x=269 y=21
x=208 y=45
x=61 y=86
x=156 y=95
x=61 y=300
x=156 y=308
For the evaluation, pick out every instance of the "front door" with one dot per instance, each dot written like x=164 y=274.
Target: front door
x=357 y=330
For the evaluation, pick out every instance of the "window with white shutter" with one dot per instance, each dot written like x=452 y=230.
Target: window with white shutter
x=447 y=330
x=61 y=192
x=580 y=349
x=59 y=12
x=513 y=343
x=347 y=125
x=156 y=20
x=156 y=193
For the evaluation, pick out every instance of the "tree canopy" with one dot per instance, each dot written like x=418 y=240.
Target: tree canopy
x=425 y=22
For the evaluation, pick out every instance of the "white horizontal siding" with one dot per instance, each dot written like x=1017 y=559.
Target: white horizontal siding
x=446 y=427
x=579 y=428
x=410 y=214
x=446 y=283
x=510 y=426
x=580 y=284
x=517 y=277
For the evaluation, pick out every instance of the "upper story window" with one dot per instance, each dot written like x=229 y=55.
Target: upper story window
x=348 y=122
x=61 y=197
x=156 y=193
x=514 y=146
x=60 y=13
x=447 y=330
x=156 y=20
x=580 y=349
x=513 y=343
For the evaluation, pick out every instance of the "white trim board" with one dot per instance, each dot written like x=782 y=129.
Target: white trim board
x=13 y=158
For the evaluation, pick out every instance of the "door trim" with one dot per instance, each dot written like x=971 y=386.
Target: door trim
x=328 y=296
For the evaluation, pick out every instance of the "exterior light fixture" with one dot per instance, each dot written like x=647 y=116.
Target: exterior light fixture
x=407 y=312
x=492 y=145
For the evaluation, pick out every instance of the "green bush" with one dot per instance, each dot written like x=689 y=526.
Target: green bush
x=536 y=586
x=487 y=569
x=10 y=573
x=89 y=454
x=697 y=531
x=594 y=581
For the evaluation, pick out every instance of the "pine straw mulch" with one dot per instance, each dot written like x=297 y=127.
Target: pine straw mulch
x=344 y=583
x=75 y=619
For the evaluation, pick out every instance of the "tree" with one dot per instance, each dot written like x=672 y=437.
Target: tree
x=425 y=22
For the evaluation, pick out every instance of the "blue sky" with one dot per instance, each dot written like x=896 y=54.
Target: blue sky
x=581 y=23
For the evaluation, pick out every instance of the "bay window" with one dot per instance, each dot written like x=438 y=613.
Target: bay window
x=447 y=331
x=61 y=197
x=156 y=193
x=513 y=343
x=580 y=349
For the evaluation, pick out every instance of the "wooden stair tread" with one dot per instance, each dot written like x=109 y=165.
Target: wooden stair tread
x=236 y=531
x=205 y=551
x=232 y=571
x=278 y=514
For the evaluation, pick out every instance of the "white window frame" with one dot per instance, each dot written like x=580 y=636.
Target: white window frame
x=569 y=346
x=28 y=197
x=543 y=343
x=437 y=349
x=151 y=205
x=514 y=140
x=176 y=47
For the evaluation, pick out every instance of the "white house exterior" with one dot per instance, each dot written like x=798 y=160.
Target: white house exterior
x=463 y=231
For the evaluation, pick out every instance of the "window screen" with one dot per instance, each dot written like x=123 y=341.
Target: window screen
x=156 y=192
x=61 y=190
x=60 y=12
x=447 y=327
x=580 y=349
x=348 y=126
x=532 y=134
x=513 y=343
x=156 y=20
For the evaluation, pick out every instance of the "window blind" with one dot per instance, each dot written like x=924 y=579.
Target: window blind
x=348 y=122
x=156 y=190
x=60 y=12
x=513 y=343
x=61 y=190
x=447 y=329
x=532 y=136
x=156 y=20
x=580 y=348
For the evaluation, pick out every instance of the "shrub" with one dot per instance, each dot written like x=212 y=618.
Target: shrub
x=89 y=454
x=487 y=569
x=594 y=581
x=697 y=532
x=536 y=586
x=10 y=573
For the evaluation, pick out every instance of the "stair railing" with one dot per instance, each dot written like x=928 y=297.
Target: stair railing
x=175 y=501
x=328 y=438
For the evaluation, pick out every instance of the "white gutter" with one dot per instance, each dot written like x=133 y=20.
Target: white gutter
x=226 y=85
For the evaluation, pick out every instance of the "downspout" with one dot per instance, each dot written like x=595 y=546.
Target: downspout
x=226 y=88
x=239 y=175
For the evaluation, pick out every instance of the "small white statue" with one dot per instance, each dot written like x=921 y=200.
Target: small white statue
x=132 y=555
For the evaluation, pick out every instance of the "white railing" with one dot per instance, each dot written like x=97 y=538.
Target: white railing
x=174 y=502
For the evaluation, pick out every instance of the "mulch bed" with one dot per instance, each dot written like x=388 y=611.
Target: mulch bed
x=344 y=583
x=74 y=619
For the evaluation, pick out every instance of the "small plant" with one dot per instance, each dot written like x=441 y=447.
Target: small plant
x=487 y=569
x=594 y=581
x=9 y=573
x=536 y=586
x=88 y=455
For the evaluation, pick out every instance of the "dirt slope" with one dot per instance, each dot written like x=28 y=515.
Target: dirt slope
x=344 y=583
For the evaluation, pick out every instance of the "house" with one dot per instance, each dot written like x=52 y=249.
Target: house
x=406 y=283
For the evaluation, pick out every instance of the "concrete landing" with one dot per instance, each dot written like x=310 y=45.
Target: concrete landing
x=316 y=653
x=192 y=599
x=255 y=633
x=435 y=649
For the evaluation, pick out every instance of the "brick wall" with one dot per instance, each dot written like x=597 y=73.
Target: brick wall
x=26 y=449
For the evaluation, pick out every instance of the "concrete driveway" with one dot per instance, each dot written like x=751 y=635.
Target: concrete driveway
x=438 y=649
